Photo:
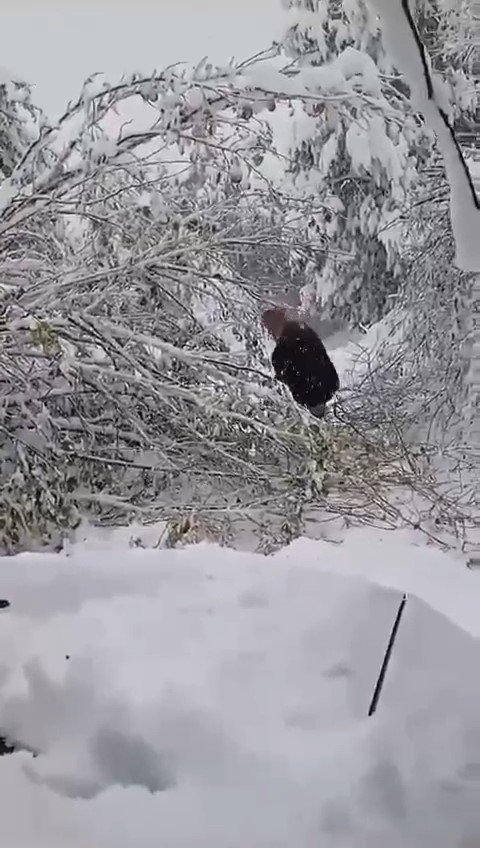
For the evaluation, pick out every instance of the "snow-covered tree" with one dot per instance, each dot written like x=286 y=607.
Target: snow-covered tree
x=136 y=257
x=19 y=121
x=133 y=371
x=460 y=293
x=363 y=154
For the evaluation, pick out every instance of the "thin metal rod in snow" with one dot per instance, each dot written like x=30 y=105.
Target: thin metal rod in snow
x=386 y=659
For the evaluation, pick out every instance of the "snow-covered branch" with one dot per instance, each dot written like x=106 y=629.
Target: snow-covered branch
x=411 y=57
x=134 y=374
x=404 y=42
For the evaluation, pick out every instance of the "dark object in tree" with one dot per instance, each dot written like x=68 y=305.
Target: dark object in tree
x=301 y=361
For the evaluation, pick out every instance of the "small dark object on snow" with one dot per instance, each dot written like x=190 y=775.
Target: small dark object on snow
x=301 y=361
x=4 y=604
x=4 y=748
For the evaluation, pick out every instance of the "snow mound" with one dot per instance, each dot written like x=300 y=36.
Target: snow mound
x=205 y=697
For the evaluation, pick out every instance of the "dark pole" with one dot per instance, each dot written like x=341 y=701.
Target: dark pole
x=381 y=677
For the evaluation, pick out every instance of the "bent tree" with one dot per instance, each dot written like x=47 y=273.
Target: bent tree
x=402 y=39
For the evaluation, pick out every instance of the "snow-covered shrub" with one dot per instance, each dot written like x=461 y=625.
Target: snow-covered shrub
x=134 y=374
x=135 y=259
x=416 y=373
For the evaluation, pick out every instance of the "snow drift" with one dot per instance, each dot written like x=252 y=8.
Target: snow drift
x=204 y=697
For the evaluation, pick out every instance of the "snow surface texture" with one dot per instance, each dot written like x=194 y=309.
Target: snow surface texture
x=205 y=698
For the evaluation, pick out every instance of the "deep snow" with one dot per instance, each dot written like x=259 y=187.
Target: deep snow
x=205 y=697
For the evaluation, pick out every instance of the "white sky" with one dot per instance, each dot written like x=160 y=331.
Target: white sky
x=55 y=45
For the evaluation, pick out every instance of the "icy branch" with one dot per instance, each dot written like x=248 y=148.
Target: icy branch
x=403 y=41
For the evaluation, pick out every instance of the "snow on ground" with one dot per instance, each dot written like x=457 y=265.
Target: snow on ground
x=206 y=698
